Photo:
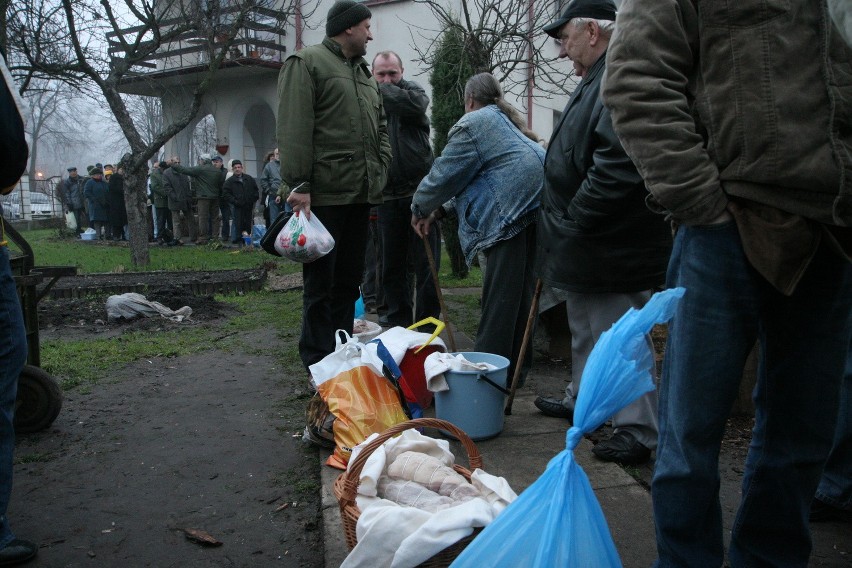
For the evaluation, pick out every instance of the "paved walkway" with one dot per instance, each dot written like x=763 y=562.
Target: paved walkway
x=520 y=454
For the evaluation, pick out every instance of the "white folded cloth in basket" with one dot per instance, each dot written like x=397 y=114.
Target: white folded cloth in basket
x=395 y=536
x=436 y=364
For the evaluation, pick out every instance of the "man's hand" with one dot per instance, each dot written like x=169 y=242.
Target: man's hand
x=300 y=202
x=421 y=226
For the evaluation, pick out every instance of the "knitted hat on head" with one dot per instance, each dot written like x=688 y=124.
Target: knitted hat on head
x=343 y=15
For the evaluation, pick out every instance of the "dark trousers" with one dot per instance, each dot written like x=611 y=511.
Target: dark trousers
x=80 y=218
x=330 y=284
x=164 y=221
x=226 y=210
x=371 y=285
x=242 y=220
x=13 y=355
x=508 y=285
x=403 y=249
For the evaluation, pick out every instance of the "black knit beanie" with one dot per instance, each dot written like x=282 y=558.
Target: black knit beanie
x=343 y=15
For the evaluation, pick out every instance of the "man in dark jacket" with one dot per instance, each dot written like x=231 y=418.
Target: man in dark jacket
x=332 y=134
x=117 y=208
x=72 y=191
x=179 y=195
x=599 y=246
x=96 y=191
x=13 y=336
x=240 y=191
x=408 y=130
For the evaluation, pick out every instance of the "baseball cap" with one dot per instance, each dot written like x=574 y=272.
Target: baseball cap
x=595 y=9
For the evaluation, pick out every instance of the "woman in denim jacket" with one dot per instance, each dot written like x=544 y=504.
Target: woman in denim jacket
x=490 y=176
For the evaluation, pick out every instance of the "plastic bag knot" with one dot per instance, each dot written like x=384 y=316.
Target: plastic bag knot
x=573 y=437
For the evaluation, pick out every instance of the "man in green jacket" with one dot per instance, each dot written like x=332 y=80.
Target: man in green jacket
x=333 y=136
x=207 y=183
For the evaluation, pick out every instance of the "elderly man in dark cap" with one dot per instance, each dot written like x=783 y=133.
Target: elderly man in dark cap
x=599 y=247
x=72 y=192
x=331 y=128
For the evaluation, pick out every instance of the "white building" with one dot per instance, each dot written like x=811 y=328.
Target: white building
x=243 y=100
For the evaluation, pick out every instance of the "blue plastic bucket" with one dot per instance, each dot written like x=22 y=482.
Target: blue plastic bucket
x=475 y=401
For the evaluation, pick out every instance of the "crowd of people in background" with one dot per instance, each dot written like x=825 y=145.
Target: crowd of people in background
x=96 y=201
x=186 y=205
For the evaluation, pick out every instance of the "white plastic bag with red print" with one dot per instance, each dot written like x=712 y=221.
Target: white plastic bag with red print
x=304 y=238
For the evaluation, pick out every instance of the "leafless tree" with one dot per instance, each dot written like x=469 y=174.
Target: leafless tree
x=147 y=114
x=503 y=37
x=203 y=138
x=95 y=45
x=49 y=106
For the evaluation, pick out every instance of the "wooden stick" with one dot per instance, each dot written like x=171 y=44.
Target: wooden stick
x=524 y=343
x=450 y=337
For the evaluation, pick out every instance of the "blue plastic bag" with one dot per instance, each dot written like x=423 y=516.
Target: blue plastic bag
x=257 y=232
x=359 y=307
x=557 y=521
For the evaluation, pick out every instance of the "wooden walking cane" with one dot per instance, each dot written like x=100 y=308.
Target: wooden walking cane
x=431 y=258
x=524 y=344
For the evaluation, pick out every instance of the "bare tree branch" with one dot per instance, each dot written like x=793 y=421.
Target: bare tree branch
x=96 y=46
x=499 y=38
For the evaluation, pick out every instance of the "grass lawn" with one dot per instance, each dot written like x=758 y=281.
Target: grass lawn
x=53 y=247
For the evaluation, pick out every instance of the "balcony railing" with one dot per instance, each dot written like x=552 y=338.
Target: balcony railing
x=261 y=38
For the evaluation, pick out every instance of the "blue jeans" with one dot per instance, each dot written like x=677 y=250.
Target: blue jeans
x=835 y=486
x=804 y=340
x=13 y=355
x=276 y=208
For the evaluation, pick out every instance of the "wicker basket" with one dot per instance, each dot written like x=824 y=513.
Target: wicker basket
x=346 y=485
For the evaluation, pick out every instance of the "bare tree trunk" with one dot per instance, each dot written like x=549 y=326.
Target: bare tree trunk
x=134 y=200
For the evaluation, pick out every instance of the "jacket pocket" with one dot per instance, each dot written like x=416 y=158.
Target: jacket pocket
x=740 y=13
x=336 y=171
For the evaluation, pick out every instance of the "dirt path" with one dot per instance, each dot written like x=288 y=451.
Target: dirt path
x=203 y=442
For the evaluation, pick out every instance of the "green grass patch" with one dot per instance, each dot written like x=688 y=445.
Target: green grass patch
x=303 y=486
x=88 y=361
x=32 y=458
x=464 y=311
x=50 y=248
x=83 y=362
x=447 y=280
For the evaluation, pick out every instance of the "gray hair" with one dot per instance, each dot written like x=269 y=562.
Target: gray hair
x=485 y=89
x=606 y=26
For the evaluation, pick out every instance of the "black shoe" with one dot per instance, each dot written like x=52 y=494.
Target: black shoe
x=553 y=407
x=17 y=552
x=822 y=512
x=622 y=448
